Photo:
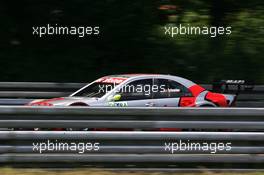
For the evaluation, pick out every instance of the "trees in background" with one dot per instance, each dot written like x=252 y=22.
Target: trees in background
x=131 y=40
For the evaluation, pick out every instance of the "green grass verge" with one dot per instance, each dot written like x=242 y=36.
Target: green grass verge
x=13 y=171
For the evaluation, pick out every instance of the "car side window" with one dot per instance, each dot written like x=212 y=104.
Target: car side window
x=136 y=90
x=170 y=89
x=162 y=91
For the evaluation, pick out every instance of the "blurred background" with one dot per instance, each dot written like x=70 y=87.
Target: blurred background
x=131 y=40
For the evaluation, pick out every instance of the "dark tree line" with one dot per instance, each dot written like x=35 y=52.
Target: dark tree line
x=131 y=40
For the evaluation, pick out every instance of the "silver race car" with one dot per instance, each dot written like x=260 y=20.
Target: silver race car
x=141 y=90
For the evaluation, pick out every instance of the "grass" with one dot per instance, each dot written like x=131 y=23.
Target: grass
x=12 y=171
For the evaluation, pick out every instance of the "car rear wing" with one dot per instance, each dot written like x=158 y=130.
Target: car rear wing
x=232 y=86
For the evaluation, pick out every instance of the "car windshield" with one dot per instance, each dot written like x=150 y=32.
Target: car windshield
x=96 y=89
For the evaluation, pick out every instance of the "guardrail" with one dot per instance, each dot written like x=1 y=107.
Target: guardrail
x=20 y=93
x=37 y=89
x=137 y=139
x=140 y=118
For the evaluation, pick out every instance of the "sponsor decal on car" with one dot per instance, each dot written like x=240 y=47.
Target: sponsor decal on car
x=117 y=104
x=114 y=80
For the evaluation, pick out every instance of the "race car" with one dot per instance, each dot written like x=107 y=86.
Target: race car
x=141 y=90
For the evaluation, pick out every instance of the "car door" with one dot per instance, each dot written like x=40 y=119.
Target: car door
x=170 y=93
x=135 y=94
